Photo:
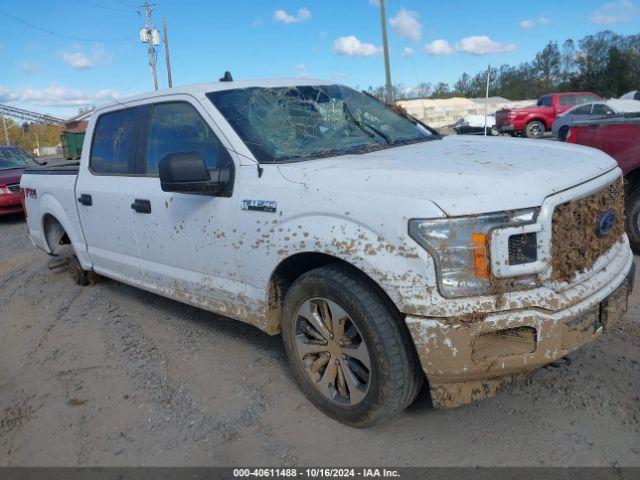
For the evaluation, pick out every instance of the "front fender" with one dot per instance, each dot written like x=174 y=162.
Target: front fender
x=391 y=259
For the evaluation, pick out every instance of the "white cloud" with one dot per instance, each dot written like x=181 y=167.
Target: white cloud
x=483 y=45
x=7 y=95
x=528 y=24
x=56 y=96
x=350 y=46
x=439 y=47
x=283 y=16
x=407 y=24
x=341 y=75
x=612 y=13
x=301 y=70
x=257 y=22
x=78 y=60
x=375 y=3
x=407 y=52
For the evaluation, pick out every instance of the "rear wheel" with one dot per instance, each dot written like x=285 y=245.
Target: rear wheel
x=633 y=220
x=534 y=129
x=347 y=348
x=79 y=275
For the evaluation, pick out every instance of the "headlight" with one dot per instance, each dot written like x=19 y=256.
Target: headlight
x=3 y=191
x=460 y=247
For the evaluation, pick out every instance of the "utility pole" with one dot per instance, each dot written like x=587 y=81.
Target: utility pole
x=149 y=35
x=486 y=101
x=385 y=47
x=166 y=51
x=6 y=133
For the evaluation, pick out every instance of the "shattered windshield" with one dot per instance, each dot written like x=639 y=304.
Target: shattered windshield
x=11 y=158
x=301 y=122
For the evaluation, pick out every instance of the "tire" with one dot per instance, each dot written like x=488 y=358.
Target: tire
x=562 y=133
x=77 y=273
x=633 y=220
x=534 y=129
x=394 y=374
x=494 y=131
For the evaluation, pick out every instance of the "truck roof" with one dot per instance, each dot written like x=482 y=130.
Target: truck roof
x=201 y=88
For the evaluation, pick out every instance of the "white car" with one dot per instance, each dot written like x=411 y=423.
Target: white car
x=385 y=254
x=590 y=110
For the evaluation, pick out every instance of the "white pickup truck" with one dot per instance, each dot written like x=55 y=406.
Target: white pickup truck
x=382 y=252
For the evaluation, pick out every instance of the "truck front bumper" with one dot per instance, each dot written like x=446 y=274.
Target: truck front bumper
x=505 y=128
x=467 y=359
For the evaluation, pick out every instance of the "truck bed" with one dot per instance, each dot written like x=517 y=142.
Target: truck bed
x=70 y=168
x=50 y=191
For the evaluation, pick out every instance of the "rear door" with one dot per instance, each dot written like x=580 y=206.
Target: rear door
x=105 y=191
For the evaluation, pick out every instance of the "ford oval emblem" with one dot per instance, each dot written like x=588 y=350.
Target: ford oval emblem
x=606 y=221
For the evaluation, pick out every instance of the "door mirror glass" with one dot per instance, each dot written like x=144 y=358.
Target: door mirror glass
x=186 y=172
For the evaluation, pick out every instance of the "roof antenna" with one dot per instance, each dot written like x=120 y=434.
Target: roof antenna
x=227 y=77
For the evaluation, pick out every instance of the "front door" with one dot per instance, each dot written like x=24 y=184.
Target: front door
x=188 y=243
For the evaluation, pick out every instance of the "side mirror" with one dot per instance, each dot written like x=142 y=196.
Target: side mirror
x=186 y=172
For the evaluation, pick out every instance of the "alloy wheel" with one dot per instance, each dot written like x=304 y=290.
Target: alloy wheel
x=332 y=351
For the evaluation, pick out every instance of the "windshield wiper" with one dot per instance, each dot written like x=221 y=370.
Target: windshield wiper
x=387 y=137
x=361 y=125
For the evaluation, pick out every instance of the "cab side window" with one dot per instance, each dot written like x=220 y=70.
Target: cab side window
x=113 y=144
x=545 y=102
x=176 y=127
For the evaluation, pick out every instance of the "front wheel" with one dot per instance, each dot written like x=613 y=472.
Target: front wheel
x=633 y=220
x=534 y=129
x=347 y=348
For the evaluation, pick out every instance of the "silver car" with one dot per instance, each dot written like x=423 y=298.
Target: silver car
x=589 y=110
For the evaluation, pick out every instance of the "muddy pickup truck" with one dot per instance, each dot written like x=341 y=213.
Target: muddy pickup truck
x=384 y=254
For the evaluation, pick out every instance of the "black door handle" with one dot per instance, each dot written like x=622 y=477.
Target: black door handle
x=85 y=199
x=141 y=206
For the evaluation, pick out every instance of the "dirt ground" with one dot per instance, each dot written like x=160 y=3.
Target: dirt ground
x=111 y=375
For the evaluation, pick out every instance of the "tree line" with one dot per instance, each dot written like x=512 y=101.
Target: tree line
x=604 y=63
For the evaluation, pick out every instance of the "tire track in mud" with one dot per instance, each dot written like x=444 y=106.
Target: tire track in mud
x=147 y=367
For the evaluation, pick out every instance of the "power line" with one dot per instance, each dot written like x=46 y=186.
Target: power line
x=62 y=35
x=104 y=7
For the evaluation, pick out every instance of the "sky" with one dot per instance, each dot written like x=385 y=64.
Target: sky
x=59 y=55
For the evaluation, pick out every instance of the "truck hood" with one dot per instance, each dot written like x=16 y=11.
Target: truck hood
x=461 y=175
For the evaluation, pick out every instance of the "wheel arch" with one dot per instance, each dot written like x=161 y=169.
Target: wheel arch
x=538 y=119
x=632 y=180
x=296 y=265
x=54 y=232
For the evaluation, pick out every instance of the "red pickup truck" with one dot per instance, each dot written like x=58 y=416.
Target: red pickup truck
x=619 y=136
x=534 y=121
